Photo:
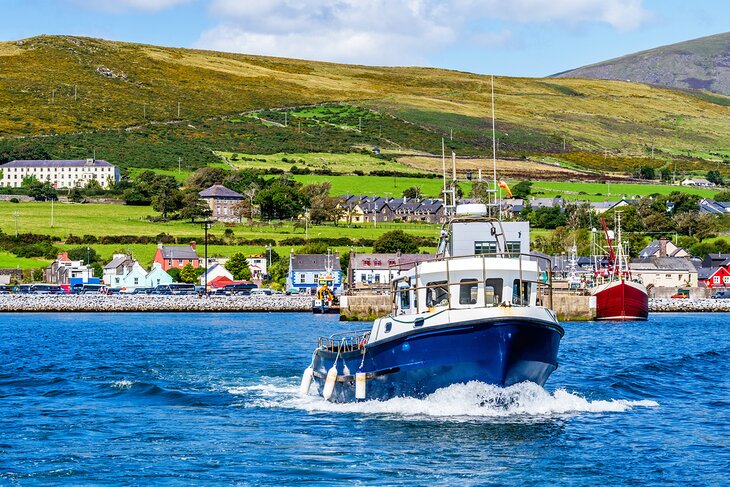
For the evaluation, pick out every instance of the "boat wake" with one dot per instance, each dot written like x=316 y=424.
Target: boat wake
x=473 y=399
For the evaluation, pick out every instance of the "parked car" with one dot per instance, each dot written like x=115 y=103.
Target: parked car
x=141 y=290
x=721 y=295
x=93 y=289
x=220 y=292
x=681 y=294
x=46 y=289
x=291 y=291
x=260 y=292
x=240 y=289
x=114 y=290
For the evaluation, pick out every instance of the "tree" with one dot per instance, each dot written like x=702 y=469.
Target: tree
x=238 y=266
x=188 y=274
x=205 y=177
x=281 y=200
x=166 y=201
x=522 y=189
x=42 y=191
x=646 y=172
x=722 y=196
x=480 y=191
x=714 y=177
x=87 y=254
x=239 y=181
x=93 y=188
x=396 y=241
x=25 y=151
x=412 y=192
x=174 y=272
x=74 y=194
x=193 y=207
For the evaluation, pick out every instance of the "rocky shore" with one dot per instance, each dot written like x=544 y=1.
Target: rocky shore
x=689 y=305
x=147 y=303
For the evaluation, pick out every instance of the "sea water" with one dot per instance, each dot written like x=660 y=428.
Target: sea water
x=125 y=398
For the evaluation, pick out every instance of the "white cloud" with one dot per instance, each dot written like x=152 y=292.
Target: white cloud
x=392 y=32
x=124 y=5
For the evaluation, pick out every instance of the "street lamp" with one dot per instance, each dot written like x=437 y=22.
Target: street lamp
x=206 y=225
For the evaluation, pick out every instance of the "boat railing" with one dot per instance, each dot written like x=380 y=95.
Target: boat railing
x=543 y=283
x=344 y=342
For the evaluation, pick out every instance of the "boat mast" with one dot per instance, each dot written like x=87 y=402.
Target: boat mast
x=494 y=156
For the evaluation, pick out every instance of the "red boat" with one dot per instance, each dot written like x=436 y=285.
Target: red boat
x=618 y=296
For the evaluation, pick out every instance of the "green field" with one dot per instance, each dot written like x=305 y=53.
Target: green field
x=342 y=163
x=600 y=191
x=8 y=260
x=378 y=185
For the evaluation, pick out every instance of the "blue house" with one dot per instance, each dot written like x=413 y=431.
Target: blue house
x=305 y=271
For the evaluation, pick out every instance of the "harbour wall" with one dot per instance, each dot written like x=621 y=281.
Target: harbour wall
x=704 y=305
x=147 y=303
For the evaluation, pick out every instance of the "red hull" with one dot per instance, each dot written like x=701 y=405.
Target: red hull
x=621 y=301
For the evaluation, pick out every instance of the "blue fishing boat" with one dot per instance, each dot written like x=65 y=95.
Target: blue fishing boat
x=480 y=310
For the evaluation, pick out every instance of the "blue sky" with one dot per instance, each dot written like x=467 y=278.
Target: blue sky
x=503 y=37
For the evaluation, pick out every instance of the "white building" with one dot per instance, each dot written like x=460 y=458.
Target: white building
x=214 y=271
x=257 y=264
x=61 y=174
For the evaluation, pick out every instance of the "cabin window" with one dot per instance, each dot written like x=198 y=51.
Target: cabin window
x=388 y=327
x=521 y=298
x=468 y=291
x=437 y=294
x=404 y=295
x=485 y=248
x=493 y=291
x=514 y=248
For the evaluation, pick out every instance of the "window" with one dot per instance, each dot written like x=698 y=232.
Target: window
x=366 y=262
x=179 y=262
x=363 y=277
x=468 y=291
x=514 y=248
x=302 y=278
x=523 y=298
x=726 y=279
x=493 y=291
x=136 y=281
x=316 y=278
x=378 y=262
x=437 y=294
x=377 y=278
x=716 y=279
x=403 y=295
x=485 y=248
x=391 y=262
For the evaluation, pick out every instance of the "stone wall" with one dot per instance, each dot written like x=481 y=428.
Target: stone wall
x=689 y=305
x=667 y=292
x=122 y=303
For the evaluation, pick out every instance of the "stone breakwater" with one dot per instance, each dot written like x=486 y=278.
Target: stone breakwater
x=103 y=303
x=689 y=305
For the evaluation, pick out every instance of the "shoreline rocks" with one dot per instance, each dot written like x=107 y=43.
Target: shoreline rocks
x=147 y=303
x=704 y=305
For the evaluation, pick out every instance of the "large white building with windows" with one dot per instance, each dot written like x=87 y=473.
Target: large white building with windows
x=61 y=174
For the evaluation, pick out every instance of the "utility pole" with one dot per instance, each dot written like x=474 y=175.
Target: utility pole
x=16 y=214
x=178 y=109
x=286 y=119
x=144 y=111
x=359 y=124
x=179 y=160
x=451 y=134
x=74 y=92
x=53 y=96
x=51 y=212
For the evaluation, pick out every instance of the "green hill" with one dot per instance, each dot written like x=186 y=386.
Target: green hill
x=122 y=100
x=698 y=64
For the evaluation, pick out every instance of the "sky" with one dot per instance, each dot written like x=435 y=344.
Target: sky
x=531 y=38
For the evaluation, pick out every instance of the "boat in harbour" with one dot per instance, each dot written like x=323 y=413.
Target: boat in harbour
x=478 y=311
x=618 y=295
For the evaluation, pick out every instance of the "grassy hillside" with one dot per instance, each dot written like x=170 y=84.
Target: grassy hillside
x=698 y=64
x=126 y=106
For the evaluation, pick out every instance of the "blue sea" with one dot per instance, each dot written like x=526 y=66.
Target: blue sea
x=207 y=399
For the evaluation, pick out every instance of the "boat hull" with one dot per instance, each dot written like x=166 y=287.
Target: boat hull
x=621 y=301
x=498 y=352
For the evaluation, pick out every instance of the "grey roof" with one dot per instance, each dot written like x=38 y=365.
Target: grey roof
x=58 y=163
x=179 y=252
x=704 y=273
x=714 y=207
x=315 y=262
x=116 y=262
x=660 y=264
x=218 y=191
x=654 y=247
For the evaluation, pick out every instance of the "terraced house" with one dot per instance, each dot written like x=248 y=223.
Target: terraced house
x=60 y=173
x=177 y=256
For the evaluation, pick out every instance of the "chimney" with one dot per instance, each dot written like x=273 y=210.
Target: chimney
x=159 y=245
x=192 y=244
x=662 y=246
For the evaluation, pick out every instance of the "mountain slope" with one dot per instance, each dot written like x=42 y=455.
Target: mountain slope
x=699 y=64
x=61 y=84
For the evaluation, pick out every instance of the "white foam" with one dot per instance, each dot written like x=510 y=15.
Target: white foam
x=122 y=384
x=474 y=399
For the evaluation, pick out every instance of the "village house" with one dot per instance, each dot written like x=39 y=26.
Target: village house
x=375 y=271
x=662 y=248
x=157 y=276
x=714 y=207
x=214 y=272
x=177 y=256
x=700 y=182
x=63 y=270
x=257 y=264
x=305 y=270
x=222 y=202
x=132 y=277
x=672 y=272
x=60 y=173
x=118 y=266
x=714 y=277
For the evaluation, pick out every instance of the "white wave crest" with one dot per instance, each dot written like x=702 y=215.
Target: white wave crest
x=122 y=384
x=474 y=399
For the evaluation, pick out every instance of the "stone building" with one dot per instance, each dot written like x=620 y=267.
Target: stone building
x=61 y=173
x=222 y=202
